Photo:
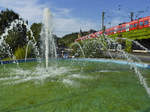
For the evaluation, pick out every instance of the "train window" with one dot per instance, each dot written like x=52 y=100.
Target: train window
x=146 y=22
x=131 y=26
x=141 y=23
x=135 y=25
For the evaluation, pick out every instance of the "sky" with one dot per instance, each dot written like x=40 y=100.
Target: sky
x=72 y=15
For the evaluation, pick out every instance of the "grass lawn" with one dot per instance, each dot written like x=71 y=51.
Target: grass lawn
x=72 y=87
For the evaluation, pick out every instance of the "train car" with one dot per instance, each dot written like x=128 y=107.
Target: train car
x=92 y=35
x=123 y=27
x=99 y=32
x=144 y=22
x=133 y=25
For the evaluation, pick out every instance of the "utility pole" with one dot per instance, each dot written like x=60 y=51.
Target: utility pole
x=131 y=14
x=103 y=27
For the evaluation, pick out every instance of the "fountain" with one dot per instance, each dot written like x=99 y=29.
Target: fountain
x=48 y=44
x=65 y=82
x=49 y=49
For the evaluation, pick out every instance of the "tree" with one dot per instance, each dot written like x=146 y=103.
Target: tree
x=36 y=29
x=6 y=17
x=68 y=39
x=16 y=36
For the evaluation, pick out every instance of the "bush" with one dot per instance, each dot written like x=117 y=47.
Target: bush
x=20 y=53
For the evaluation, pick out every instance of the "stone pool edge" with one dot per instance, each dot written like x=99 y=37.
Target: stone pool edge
x=141 y=65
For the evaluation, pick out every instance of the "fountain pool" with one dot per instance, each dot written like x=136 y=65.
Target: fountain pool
x=71 y=86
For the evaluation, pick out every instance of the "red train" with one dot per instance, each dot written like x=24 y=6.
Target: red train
x=124 y=27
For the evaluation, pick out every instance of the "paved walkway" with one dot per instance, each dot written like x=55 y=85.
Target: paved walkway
x=145 y=57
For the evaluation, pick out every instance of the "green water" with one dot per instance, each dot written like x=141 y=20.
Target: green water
x=72 y=87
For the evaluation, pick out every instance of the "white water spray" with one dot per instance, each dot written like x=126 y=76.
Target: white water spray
x=120 y=53
x=48 y=44
x=5 y=46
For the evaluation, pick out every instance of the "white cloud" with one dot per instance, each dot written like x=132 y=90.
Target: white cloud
x=62 y=11
x=65 y=26
x=32 y=11
x=28 y=9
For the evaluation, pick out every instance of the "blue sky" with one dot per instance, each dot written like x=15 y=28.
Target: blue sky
x=71 y=15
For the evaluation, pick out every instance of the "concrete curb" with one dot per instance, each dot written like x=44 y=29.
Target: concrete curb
x=141 y=65
x=18 y=61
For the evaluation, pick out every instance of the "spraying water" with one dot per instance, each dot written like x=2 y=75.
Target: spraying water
x=105 y=43
x=48 y=44
x=5 y=46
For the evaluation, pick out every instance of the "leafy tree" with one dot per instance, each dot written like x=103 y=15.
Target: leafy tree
x=17 y=36
x=6 y=17
x=36 y=29
x=68 y=39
